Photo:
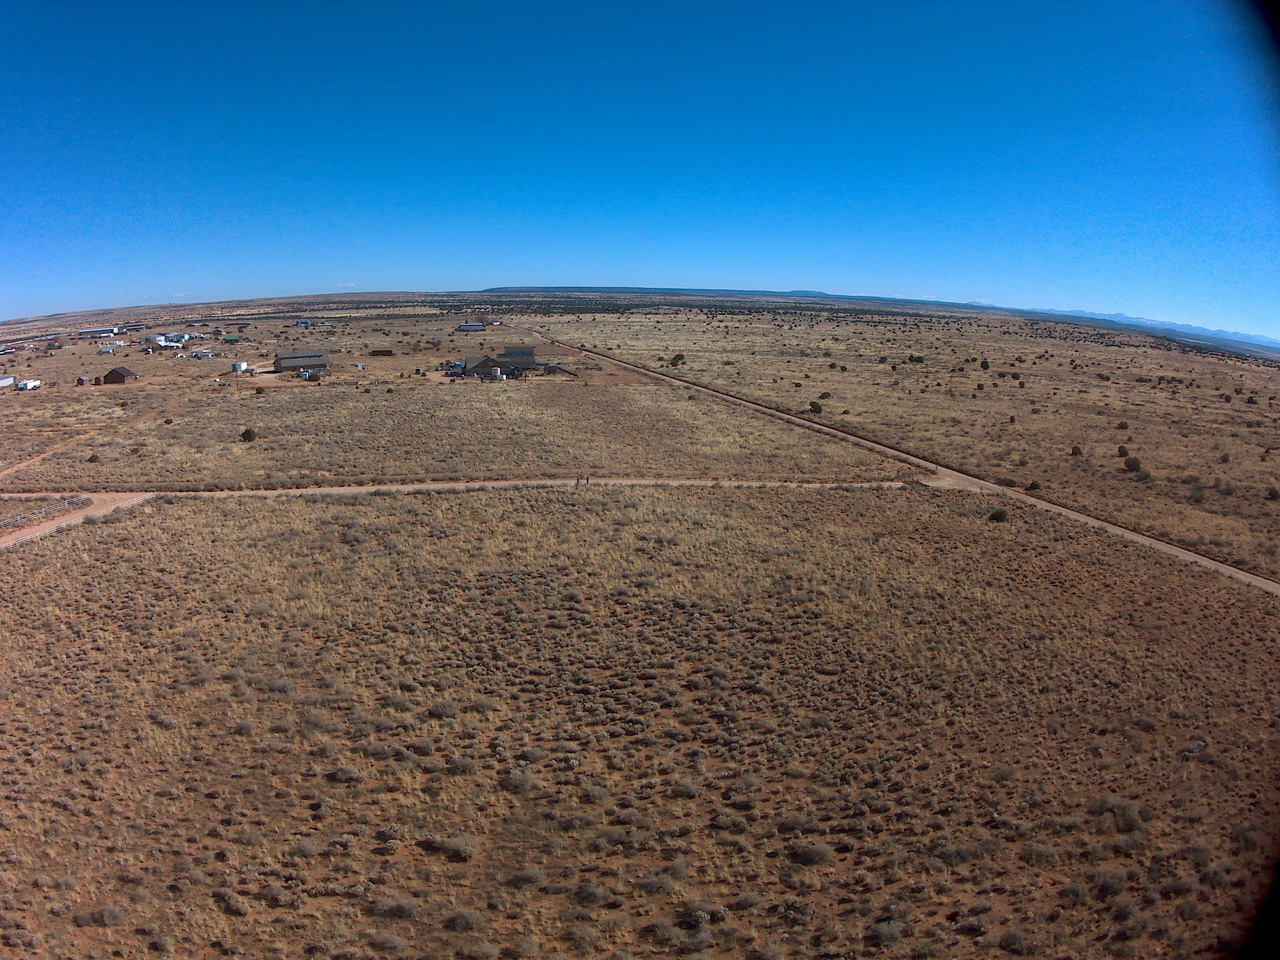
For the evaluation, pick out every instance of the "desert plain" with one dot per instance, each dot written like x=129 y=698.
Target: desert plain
x=594 y=663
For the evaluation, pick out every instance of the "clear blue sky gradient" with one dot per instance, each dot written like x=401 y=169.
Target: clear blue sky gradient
x=1111 y=156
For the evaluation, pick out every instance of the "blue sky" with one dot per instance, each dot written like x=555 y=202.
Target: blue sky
x=1112 y=156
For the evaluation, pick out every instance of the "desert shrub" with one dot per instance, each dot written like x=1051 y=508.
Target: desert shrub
x=810 y=854
x=404 y=908
x=386 y=942
x=656 y=883
x=527 y=877
x=459 y=848
x=1122 y=425
x=346 y=774
x=1076 y=451
x=1033 y=485
x=985 y=365
x=1122 y=451
x=259 y=390
x=883 y=933
x=662 y=932
x=1132 y=464
x=518 y=780
x=94 y=458
x=461 y=765
x=443 y=709
x=685 y=790
x=108 y=915
x=589 y=892
x=248 y=434
x=815 y=406
x=999 y=515
x=1019 y=943
x=1038 y=855
x=463 y=921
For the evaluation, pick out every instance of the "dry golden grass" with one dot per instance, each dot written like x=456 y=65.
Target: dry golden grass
x=657 y=720
x=1203 y=425
x=542 y=427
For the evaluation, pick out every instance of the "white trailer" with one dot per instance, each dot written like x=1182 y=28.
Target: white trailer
x=28 y=384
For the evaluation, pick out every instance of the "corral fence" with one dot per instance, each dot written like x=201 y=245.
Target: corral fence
x=45 y=512
x=74 y=521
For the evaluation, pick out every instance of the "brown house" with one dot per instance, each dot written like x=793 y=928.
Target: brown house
x=119 y=375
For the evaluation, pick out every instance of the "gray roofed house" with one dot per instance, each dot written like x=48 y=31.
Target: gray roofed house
x=519 y=358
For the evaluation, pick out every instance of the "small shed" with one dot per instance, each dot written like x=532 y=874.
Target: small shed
x=82 y=381
x=382 y=353
x=119 y=375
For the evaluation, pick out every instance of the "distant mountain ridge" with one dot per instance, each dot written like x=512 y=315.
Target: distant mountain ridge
x=1186 y=329
x=1189 y=334
x=1183 y=329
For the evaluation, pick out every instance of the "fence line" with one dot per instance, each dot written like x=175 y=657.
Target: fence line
x=48 y=510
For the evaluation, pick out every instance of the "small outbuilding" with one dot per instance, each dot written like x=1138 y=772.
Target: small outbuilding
x=119 y=375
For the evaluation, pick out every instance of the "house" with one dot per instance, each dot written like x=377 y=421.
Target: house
x=99 y=332
x=472 y=326
x=519 y=358
x=305 y=363
x=119 y=375
x=382 y=353
x=488 y=367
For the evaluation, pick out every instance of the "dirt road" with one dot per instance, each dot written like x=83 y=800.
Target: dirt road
x=944 y=477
